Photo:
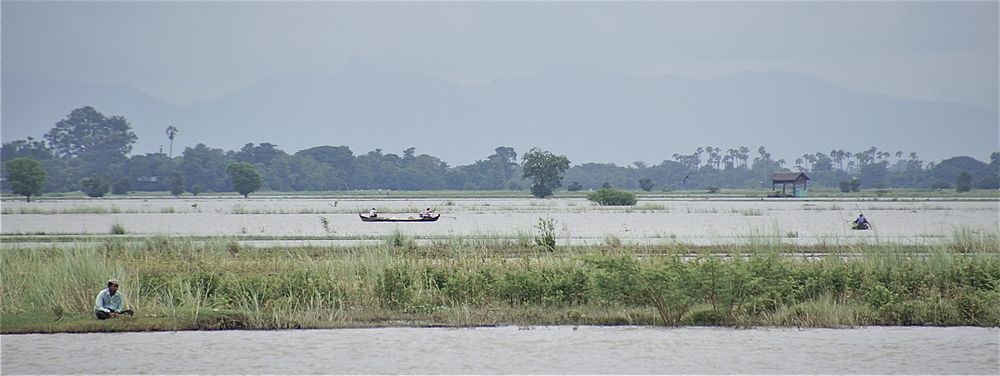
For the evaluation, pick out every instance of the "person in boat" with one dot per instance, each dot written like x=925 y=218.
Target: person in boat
x=110 y=302
x=861 y=222
x=426 y=213
x=373 y=213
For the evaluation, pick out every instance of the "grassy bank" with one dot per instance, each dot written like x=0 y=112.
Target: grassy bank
x=180 y=284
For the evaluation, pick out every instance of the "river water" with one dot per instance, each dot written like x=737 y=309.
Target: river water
x=517 y=350
x=577 y=221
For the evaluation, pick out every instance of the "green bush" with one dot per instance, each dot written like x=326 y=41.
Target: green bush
x=121 y=187
x=964 y=182
x=616 y=280
x=570 y=286
x=646 y=184
x=469 y=286
x=547 y=234
x=521 y=287
x=978 y=307
x=845 y=186
x=394 y=288
x=95 y=186
x=612 y=197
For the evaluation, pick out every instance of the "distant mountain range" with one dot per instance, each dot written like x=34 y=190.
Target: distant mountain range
x=590 y=116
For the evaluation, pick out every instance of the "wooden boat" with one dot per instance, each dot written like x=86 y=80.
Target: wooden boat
x=860 y=226
x=365 y=218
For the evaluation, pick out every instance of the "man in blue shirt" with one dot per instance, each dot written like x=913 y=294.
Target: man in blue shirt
x=110 y=303
x=861 y=223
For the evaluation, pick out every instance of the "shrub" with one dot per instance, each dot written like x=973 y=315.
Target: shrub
x=612 y=197
x=845 y=186
x=121 y=187
x=989 y=182
x=547 y=234
x=176 y=184
x=646 y=184
x=940 y=184
x=519 y=287
x=964 y=182
x=96 y=186
x=394 y=287
x=469 y=286
x=400 y=240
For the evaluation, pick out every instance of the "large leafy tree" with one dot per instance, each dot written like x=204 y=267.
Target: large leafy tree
x=26 y=176
x=88 y=134
x=176 y=183
x=244 y=177
x=30 y=148
x=545 y=171
x=339 y=158
x=204 y=166
x=297 y=173
x=261 y=154
x=151 y=172
x=502 y=167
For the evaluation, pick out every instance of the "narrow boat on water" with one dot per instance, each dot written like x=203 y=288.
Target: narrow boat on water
x=365 y=218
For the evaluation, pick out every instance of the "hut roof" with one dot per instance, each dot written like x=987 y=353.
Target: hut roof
x=788 y=176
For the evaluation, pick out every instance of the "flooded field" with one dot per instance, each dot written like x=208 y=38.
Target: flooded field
x=577 y=221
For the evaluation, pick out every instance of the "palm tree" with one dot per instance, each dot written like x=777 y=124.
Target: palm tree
x=171 y=132
x=734 y=155
x=744 y=155
x=838 y=157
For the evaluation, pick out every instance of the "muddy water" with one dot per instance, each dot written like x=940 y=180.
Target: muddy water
x=512 y=350
x=576 y=220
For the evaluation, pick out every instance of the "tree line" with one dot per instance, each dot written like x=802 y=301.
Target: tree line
x=90 y=152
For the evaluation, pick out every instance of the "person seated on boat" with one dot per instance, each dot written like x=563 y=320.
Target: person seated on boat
x=426 y=213
x=373 y=213
x=110 y=303
x=861 y=222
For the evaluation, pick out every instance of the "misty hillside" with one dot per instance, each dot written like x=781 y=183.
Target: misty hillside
x=590 y=116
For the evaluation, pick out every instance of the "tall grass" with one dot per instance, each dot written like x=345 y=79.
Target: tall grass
x=966 y=240
x=459 y=283
x=66 y=280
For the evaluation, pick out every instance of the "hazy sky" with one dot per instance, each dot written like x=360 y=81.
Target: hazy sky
x=195 y=51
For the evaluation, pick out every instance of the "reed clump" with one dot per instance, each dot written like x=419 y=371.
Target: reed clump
x=178 y=283
x=117 y=228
